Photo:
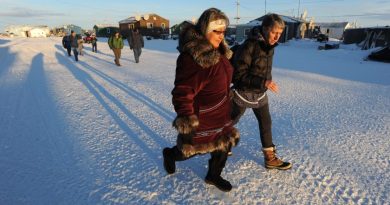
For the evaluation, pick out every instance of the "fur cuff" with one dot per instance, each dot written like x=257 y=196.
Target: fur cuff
x=223 y=143
x=186 y=124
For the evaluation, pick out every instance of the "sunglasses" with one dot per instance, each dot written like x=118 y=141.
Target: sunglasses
x=219 y=32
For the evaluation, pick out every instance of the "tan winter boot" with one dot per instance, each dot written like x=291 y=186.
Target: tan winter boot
x=273 y=162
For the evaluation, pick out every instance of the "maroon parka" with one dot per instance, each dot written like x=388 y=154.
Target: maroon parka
x=202 y=87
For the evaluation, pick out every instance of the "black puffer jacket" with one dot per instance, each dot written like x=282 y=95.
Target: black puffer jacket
x=253 y=63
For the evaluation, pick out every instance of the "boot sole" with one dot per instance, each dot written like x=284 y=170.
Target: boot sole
x=283 y=166
x=212 y=183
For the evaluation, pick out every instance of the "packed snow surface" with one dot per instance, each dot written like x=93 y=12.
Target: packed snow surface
x=90 y=132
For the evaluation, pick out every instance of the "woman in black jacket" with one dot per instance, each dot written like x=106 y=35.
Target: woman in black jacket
x=253 y=77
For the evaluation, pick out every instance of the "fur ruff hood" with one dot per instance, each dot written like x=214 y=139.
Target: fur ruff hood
x=197 y=46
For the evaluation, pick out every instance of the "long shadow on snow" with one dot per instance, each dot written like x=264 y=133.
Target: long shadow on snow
x=142 y=98
x=157 y=108
x=4 y=41
x=91 y=84
x=163 y=112
x=45 y=148
x=7 y=59
x=98 y=53
x=98 y=91
x=111 y=55
x=93 y=55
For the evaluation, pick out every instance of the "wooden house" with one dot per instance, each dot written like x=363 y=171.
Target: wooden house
x=148 y=25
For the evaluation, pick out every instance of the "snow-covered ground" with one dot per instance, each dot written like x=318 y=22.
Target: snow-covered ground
x=90 y=132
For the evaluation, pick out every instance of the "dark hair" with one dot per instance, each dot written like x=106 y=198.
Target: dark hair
x=207 y=16
x=271 y=20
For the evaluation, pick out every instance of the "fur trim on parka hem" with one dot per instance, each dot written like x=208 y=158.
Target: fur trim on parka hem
x=223 y=143
x=201 y=50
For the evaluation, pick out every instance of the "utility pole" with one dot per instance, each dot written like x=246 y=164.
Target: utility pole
x=265 y=7
x=299 y=6
x=238 y=12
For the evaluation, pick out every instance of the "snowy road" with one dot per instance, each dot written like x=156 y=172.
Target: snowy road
x=89 y=132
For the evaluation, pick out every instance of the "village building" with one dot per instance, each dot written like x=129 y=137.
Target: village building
x=151 y=25
x=334 y=30
x=369 y=37
x=105 y=30
x=61 y=30
x=292 y=29
x=28 y=31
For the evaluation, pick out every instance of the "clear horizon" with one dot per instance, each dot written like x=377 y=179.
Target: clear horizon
x=87 y=13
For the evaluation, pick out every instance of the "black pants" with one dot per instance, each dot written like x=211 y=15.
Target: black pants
x=137 y=54
x=263 y=118
x=216 y=163
x=94 y=47
x=69 y=49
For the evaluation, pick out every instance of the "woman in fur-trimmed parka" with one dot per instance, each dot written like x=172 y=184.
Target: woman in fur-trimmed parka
x=201 y=97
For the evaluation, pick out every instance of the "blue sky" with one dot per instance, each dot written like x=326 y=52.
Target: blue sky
x=87 y=13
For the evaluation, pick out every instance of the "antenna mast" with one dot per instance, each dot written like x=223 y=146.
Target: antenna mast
x=238 y=12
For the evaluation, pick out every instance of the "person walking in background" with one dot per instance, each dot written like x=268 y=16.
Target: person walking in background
x=253 y=77
x=201 y=97
x=80 y=42
x=94 y=43
x=115 y=43
x=74 y=45
x=66 y=43
x=136 y=43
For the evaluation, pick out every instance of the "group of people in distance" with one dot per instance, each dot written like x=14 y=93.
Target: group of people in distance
x=115 y=42
x=207 y=107
x=75 y=42
x=135 y=40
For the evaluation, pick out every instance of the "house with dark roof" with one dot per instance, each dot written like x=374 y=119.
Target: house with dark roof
x=292 y=29
x=105 y=30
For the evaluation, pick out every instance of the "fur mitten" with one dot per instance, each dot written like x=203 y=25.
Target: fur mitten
x=186 y=124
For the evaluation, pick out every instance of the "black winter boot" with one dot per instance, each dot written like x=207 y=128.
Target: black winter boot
x=169 y=161
x=219 y=182
x=216 y=164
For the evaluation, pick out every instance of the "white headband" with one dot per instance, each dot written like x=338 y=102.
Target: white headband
x=217 y=24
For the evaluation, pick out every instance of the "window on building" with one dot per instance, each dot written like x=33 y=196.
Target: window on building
x=246 y=32
x=131 y=26
x=163 y=25
x=149 y=25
